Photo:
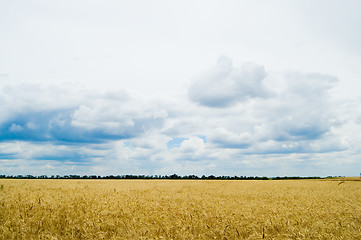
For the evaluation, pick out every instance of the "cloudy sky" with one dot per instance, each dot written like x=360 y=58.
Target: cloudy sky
x=228 y=87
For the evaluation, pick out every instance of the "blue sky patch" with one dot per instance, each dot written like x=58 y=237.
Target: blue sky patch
x=175 y=143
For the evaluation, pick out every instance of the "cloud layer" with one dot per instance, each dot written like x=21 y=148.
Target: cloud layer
x=233 y=120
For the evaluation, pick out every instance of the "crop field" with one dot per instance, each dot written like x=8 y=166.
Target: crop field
x=180 y=209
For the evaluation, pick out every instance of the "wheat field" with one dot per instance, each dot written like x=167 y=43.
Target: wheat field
x=179 y=209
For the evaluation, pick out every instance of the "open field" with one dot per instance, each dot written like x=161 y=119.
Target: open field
x=180 y=209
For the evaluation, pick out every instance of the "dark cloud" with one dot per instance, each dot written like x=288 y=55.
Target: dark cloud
x=56 y=126
x=8 y=156
x=69 y=115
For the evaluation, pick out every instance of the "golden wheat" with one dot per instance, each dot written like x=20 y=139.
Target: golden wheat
x=179 y=209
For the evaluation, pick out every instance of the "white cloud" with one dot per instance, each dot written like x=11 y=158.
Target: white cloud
x=192 y=145
x=15 y=128
x=225 y=85
x=152 y=139
x=110 y=119
x=223 y=138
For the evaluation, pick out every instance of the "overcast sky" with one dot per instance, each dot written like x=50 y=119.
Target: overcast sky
x=264 y=88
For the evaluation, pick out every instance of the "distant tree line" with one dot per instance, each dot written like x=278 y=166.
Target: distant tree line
x=173 y=176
